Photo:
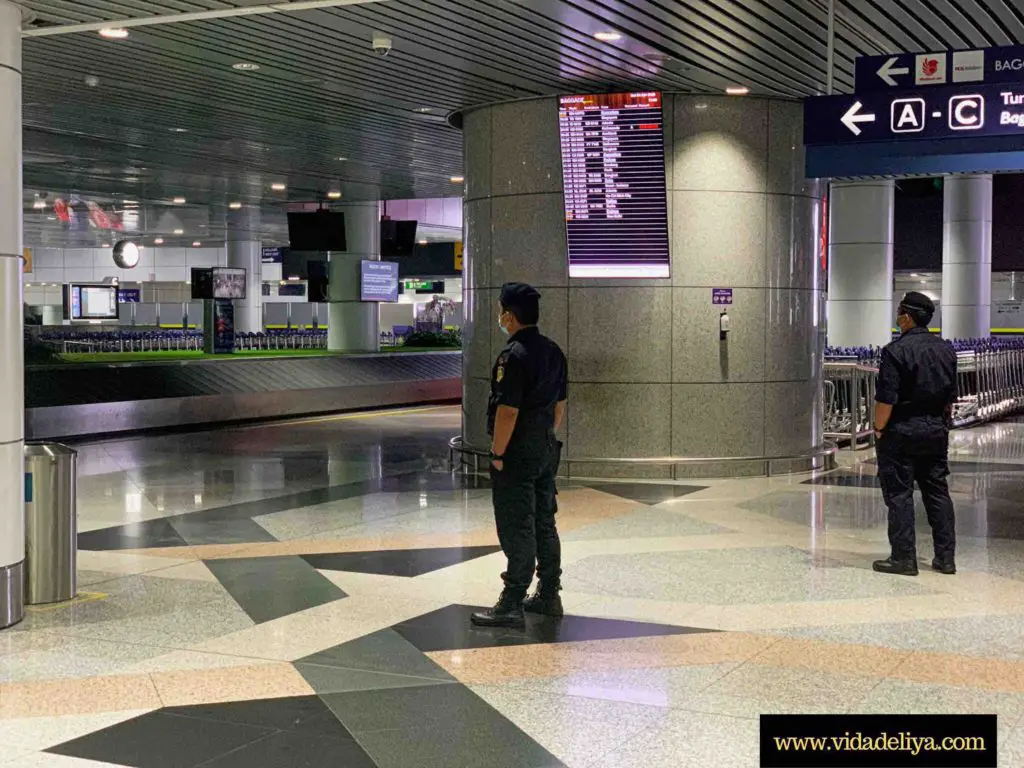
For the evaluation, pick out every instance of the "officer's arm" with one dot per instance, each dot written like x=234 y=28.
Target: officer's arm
x=509 y=397
x=563 y=395
x=887 y=390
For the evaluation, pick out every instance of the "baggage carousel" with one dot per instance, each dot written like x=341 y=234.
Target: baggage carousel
x=79 y=399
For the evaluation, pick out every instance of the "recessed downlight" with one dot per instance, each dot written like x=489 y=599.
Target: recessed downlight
x=196 y=243
x=423 y=110
x=114 y=33
x=334 y=194
x=158 y=241
x=179 y=130
x=179 y=201
x=342 y=158
x=457 y=179
x=608 y=36
x=234 y=206
x=423 y=242
x=279 y=187
x=179 y=231
x=737 y=90
x=245 y=66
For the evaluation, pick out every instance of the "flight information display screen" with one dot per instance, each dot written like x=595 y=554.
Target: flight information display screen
x=613 y=170
x=93 y=302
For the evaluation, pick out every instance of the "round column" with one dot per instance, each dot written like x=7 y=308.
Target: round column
x=860 y=263
x=244 y=252
x=648 y=374
x=354 y=325
x=12 y=371
x=967 y=257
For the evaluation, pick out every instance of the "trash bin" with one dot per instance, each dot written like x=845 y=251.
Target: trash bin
x=51 y=524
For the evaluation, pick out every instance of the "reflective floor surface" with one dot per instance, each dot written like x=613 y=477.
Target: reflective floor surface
x=298 y=595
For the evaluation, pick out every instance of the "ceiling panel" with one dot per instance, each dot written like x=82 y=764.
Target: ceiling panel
x=163 y=113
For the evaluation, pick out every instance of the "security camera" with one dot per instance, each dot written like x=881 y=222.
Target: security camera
x=381 y=44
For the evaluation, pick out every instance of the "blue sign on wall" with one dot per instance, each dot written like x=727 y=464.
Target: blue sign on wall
x=1003 y=64
x=129 y=295
x=960 y=112
x=272 y=255
x=721 y=295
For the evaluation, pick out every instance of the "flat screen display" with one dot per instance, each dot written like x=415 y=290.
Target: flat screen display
x=228 y=283
x=93 y=302
x=317 y=231
x=613 y=171
x=379 y=281
x=397 y=238
x=217 y=283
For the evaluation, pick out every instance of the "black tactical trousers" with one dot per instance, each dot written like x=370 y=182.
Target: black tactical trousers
x=525 y=504
x=906 y=458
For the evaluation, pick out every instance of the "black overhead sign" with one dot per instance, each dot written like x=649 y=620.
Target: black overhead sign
x=960 y=112
x=923 y=70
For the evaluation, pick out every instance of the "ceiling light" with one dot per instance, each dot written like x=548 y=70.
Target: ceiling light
x=608 y=37
x=914 y=274
x=737 y=90
x=105 y=245
x=179 y=130
x=702 y=105
x=457 y=179
x=245 y=66
x=343 y=159
x=39 y=204
x=279 y=187
x=196 y=244
x=423 y=110
x=423 y=242
x=924 y=282
x=294 y=279
x=51 y=218
x=334 y=194
x=129 y=202
x=234 y=206
x=179 y=231
x=114 y=33
x=158 y=241
x=179 y=201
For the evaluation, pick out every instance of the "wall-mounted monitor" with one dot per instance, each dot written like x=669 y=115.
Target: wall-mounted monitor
x=613 y=172
x=218 y=283
x=86 y=302
x=317 y=231
x=397 y=238
x=379 y=281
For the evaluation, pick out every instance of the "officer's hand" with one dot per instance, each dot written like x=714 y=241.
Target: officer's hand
x=498 y=464
x=878 y=434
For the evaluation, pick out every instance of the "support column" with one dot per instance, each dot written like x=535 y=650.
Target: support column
x=860 y=264
x=12 y=367
x=354 y=325
x=244 y=252
x=967 y=257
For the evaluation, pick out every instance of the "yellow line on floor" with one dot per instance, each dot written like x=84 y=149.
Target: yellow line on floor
x=371 y=415
x=82 y=597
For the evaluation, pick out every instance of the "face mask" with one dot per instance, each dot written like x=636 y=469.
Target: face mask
x=500 y=325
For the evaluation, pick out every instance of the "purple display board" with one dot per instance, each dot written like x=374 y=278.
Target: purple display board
x=613 y=171
x=379 y=281
x=721 y=295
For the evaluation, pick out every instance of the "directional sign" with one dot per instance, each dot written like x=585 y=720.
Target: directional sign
x=1003 y=64
x=926 y=113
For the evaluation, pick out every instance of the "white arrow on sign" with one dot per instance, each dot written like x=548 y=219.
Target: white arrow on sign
x=887 y=70
x=852 y=117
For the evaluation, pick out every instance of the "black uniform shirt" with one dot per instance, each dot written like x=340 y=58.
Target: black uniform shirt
x=530 y=375
x=917 y=377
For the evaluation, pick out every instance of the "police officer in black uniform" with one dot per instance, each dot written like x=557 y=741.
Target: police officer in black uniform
x=913 y=414
x=527 y=405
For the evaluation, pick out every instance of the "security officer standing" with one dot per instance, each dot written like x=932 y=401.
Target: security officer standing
x=913 y=414
x=527 y=405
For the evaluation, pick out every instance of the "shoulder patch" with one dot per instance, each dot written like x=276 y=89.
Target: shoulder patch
x=499 y=374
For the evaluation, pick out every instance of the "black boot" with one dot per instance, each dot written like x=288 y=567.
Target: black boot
x=944 y=565
x=507 y=612
x=546 y=602
x=897 y=567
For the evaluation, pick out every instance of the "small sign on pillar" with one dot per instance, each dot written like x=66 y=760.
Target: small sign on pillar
x=721 y=296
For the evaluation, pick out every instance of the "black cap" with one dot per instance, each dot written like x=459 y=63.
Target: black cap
x=515 y=295
x=918 y=302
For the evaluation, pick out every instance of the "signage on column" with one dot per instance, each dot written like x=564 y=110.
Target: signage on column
x=937 y=113
x=272 y=255
x=1003 y=64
